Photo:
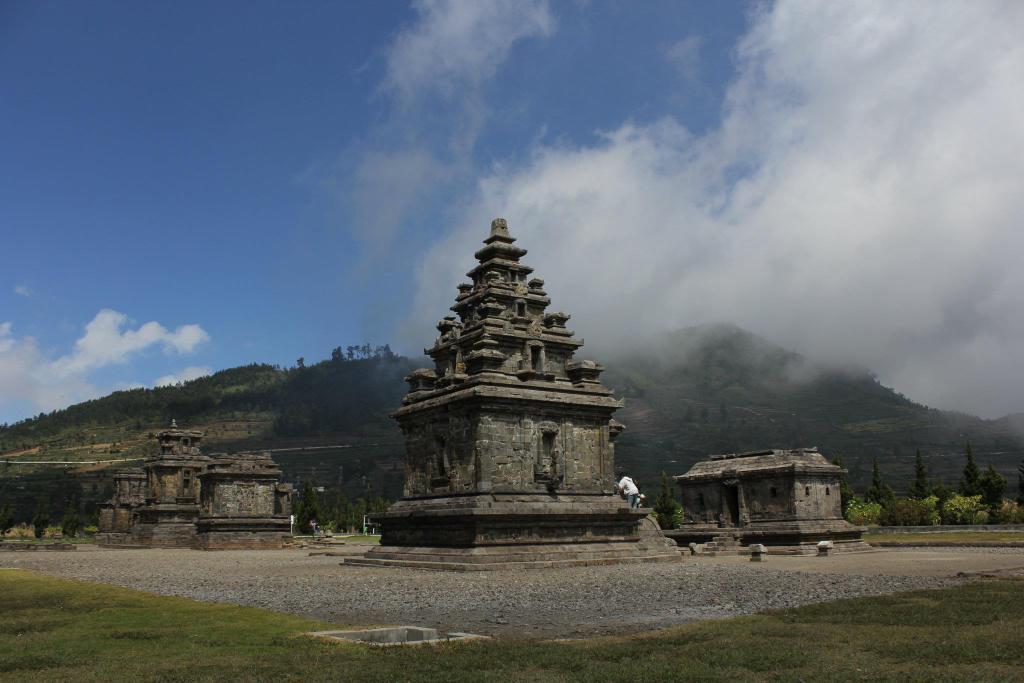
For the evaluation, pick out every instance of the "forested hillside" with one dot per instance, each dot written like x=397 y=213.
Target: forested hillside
x=691 y=393
x=346 y=393
x=720 y=389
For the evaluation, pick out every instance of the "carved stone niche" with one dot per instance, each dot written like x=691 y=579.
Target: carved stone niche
x=490 y=308
x=533 y=364
x=546 y=468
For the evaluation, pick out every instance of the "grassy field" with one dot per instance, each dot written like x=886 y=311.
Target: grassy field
x=54 y=629
x=359 y=538
x=945 y=537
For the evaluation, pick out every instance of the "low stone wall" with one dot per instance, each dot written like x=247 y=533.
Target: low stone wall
x=36 y=546
x=944 y=528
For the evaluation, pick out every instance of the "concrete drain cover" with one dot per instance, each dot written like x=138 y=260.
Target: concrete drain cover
x=396 y=635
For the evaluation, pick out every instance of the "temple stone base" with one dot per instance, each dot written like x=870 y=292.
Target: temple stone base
x=243 y=533
x=165 y=534
x=782 y=538
x=487 y=532
x=116 y=539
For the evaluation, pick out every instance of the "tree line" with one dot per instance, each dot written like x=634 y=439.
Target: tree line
x=980 y=498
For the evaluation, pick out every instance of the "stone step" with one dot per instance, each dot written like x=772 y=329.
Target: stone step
x=492 y=566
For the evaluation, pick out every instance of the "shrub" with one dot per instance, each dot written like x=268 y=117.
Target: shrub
x=1010 y=512
x=863 y=513
x=41 y=520
x=22 y=531
x=70 y=525
x=964 y=510
x=6 y=519
x=911 y=512
x=667 y=509
x=90 y=530
x=51 y=532
x=992 y=486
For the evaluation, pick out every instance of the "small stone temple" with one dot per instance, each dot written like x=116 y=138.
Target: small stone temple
x=509 y=441
x=118 y=514
x=184 y=499
x=787 y=500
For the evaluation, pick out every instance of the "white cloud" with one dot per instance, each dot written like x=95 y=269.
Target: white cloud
x=455 y=44
x=860 y=201
x=28 y=375
x=24 y=290
x=187 y=375
x=106 y=342
x=684 y=56
x=435 y=70
x=387 y=186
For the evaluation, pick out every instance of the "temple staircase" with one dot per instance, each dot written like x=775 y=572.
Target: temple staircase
x=726 y=543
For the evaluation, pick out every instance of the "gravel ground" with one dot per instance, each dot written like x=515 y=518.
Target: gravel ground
x=556 y=603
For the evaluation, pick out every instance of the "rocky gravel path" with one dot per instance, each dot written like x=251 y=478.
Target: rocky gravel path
x=541 y=603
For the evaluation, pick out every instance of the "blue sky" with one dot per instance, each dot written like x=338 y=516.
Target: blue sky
x=266 y=180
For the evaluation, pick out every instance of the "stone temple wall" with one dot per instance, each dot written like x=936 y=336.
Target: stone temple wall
x=509 y=441
x=184 y=499
x=786 y=499
x=238 y=498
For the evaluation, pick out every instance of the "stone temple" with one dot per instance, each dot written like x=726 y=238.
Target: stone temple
x=184 y=499
x=509 y=441
x=787 y=500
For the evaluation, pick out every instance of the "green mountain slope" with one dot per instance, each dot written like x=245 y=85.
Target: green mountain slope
x=717 y=389
x=688 y=394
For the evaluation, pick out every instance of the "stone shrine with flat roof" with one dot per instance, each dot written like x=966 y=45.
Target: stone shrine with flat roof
x=509 y=441
x=184 y=499
x=787 y=500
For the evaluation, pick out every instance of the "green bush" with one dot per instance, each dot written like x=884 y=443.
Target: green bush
x=90 y=530
x=1010 y=512
x=992 y=486
x=41 y=520
x=964 y=510
x=6 y=519
x=71 y=524
x=667 y=509
x=911 y=512
x=863 y=513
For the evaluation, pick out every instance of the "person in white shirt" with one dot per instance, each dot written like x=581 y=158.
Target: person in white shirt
x=628 y=487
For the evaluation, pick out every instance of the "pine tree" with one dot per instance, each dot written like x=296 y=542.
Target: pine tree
x=969 y=484
x=666 y=508
x=71 y=523
x=6 y=519
x=919 y=489
x=41 y=519
x=879 y=492
x=846 y=493
x=992 y=486
x=307 y=510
